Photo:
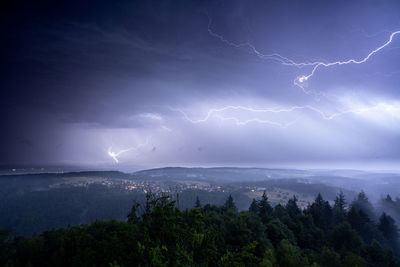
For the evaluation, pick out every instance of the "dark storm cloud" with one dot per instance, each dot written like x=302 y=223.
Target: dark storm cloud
x=90 y=75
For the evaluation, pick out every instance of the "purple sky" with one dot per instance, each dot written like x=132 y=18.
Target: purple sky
x=156 y=83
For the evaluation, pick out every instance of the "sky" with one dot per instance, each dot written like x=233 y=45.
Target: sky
x=141 y=84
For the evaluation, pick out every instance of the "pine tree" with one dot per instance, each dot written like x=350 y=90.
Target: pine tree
x=230 y=204
x=339 y=208
x=389 y=229
x=362 y=203
x=254 y=206
x=264 y=209
x=292 y=208
x=389 y=198
x=321 y=212
x=340 y=202
x=197 y=204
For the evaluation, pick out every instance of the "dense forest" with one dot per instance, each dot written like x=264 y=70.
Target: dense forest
x=158 y=233
x=34 y=203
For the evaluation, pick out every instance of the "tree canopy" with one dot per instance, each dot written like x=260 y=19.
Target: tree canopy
x=158 y=233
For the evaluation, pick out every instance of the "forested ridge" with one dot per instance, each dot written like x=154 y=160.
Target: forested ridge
x=157 y=233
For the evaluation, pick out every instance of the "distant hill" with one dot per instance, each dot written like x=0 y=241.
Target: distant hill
x=221 y=174
x=36 y=202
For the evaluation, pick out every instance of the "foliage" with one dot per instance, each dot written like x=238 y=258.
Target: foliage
x=158 y=233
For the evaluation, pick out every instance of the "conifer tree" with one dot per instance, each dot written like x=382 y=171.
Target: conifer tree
x=197 y=203
x=230 y=204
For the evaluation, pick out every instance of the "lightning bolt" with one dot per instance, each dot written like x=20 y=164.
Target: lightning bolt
x=300 y=80
x=274 y=56
x=115 y=155
x=316 y=65
x=395 y=110
x=214 y=113
x=239 y=122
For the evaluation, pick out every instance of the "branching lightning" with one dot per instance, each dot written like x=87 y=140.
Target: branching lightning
x=215 y=113
x=300 y=80
x=248 y=115
x=227 y=113
x=274 y=56
x=115 y=155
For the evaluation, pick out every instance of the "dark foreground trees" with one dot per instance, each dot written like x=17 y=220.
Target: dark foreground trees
x=159 y=234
